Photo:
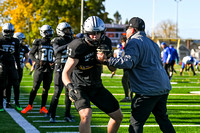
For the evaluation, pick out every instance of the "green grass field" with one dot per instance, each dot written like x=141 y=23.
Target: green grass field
x=183 y=108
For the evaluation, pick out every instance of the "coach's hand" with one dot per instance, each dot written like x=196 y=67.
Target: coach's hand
x=72 y=92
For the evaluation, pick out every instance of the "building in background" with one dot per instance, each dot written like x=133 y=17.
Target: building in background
x=114 y=32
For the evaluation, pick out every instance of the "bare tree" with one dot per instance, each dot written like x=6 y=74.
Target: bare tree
x=166 y=29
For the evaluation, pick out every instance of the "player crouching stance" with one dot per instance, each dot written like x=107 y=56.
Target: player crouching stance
x=82 y=75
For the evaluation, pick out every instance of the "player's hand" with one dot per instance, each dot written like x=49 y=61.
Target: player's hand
x=41 y=63
x=72 y=92
x=101 y=56
x=112 y=74
x=51 y=64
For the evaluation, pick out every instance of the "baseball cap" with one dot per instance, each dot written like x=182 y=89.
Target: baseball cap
x=163 y=43
x=119 y=46
x=137 y=22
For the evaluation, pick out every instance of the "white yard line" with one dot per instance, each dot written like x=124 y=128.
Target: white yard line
x=28 y=128
x=72 y=126
x=50 y=94
x=63 y=132
x=47 y=121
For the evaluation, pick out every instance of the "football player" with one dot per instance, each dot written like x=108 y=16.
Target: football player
x=187 y=60
x=60 y=43
x=9 y=56
x=82 y=76
x=23 y=53
x=43 y=67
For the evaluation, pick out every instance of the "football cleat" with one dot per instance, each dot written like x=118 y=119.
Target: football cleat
x=47 y=115
x=28 y=108
x=8 y=105
x=52 y=120
x=1 y=108
x=43 y=110
x=69 y=119
x=17 y=107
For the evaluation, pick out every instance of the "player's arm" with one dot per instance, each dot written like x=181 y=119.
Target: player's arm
x=56 y=47
x=66 y=77
x=33 y=51
x=69 y=67
x=26 y=58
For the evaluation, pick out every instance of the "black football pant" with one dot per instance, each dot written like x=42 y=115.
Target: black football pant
x=9 y=77
x=15 y=85
x=166 y=66
x=142 y=106
x=20 y=75
x=39 y=76
x=58 y=85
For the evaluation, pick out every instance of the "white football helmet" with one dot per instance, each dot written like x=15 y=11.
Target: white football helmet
x=19 y=36
x=94 y=24
x=64 y=29
x=8 y=30
x=46 y=31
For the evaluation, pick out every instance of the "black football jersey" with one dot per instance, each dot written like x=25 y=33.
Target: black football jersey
x=88 y=70
x=43 y=49
x=23 y=50
x=9 y=50
x=60 y=49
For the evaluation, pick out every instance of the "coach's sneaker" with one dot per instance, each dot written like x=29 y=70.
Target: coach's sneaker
x=43 y=110
x=17 y=107
x=28 y=108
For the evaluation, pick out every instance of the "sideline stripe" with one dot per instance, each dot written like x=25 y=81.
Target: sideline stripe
x=28 y=128
x=72 y=126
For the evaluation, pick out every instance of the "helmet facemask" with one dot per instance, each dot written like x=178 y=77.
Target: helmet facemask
x=21 y=37
x=92 y=26
x=95 y=42
x=8 y=30
x=64 y=29
x=46 y=31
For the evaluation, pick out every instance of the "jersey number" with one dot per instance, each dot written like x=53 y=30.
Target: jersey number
x=64 y=56
x=47 y=55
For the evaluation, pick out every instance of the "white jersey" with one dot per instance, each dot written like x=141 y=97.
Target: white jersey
x=188 y=60
x=118 y=52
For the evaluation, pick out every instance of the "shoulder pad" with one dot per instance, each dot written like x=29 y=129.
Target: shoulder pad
x=35 y=42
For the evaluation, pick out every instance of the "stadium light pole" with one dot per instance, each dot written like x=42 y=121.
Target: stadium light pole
x=177 y=1
x=82 y=9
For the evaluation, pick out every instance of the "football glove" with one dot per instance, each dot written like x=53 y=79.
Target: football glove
x=72 y=92
x=105 y=49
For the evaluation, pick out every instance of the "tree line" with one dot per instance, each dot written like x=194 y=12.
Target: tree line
x=28 y=15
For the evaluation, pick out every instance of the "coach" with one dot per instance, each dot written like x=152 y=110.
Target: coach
x=148 y=79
